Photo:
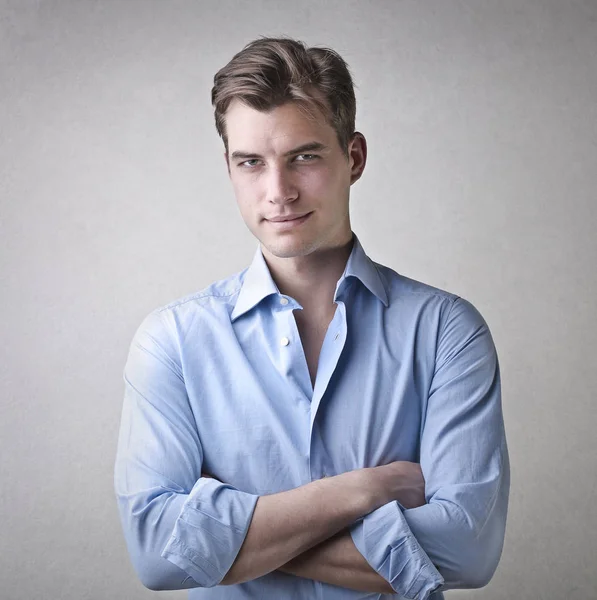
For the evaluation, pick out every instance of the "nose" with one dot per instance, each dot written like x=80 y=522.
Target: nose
x=280 y=186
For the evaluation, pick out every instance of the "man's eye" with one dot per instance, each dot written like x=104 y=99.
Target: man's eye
x=306 y=157
x=252 y=162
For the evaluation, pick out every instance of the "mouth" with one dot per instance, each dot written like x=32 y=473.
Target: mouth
x=287 y=223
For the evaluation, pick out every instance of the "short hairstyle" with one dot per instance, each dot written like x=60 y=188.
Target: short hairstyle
x=269 y=72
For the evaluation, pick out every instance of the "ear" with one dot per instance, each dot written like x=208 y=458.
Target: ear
x=357 y=155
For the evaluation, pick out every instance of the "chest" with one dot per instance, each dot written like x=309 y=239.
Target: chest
x=264 y=427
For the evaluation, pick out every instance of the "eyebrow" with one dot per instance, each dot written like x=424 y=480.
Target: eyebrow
x=309 y=147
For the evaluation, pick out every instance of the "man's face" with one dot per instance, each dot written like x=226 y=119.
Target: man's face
x=284 y=164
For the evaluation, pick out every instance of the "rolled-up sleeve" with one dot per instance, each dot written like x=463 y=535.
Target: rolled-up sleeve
x=182 y=530
x=456 y=539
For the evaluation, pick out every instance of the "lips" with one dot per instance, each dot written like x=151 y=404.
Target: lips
x=288 y=221
x=283 y=219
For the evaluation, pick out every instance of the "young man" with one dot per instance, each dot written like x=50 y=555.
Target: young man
x=317 y=425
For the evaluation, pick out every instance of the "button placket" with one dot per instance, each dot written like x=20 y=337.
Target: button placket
x=290 y=350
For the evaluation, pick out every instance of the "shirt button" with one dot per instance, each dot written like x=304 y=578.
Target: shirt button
x=336 y=336
x=284 y=341
x=284 y=301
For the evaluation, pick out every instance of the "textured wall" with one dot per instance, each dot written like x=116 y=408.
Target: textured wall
x=481 y=118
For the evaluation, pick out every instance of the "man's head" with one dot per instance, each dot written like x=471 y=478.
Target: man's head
x=286 y=116
x=269 y=72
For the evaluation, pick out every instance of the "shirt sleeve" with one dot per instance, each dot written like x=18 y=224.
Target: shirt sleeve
x=456 y=539
x=182 y=530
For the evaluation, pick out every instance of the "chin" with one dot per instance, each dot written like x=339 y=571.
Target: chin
x=289 y=248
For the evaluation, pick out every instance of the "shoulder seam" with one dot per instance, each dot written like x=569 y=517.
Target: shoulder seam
x=431 y=291
x=197 y=296
x=444 y=324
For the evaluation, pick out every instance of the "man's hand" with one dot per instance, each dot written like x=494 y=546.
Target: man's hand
x=399 y=480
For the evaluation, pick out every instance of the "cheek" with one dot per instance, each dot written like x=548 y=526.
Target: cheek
x=317 y=182
x=247 y=199
x=244 y=189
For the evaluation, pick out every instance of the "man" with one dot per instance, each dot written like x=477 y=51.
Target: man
x=317 y=425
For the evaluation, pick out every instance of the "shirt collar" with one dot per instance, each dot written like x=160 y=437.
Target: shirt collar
x=359 y=265
x=258 y=283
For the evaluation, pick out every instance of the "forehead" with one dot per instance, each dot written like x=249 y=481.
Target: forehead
x=277 y=130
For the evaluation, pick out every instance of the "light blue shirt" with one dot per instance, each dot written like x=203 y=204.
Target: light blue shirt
x=218 y=382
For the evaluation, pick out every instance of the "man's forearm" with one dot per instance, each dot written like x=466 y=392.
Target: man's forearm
x=286 y=524
x=337 y=561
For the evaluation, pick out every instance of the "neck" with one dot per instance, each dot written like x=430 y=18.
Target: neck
x=311 y=280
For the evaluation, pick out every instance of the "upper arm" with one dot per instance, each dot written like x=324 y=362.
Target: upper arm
x=159 y=442
x=463 y=440
x=159 y=454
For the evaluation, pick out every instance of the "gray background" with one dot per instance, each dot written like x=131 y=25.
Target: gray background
x=482 y=126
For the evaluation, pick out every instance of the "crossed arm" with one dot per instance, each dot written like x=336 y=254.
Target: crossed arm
x=302 y=531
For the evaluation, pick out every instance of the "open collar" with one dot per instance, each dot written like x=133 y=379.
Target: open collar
x=258 y=283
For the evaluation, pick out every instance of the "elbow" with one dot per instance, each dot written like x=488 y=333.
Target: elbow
x=476 y=563
x=475 y=576
x=152 y=580
x=147 y=528
x=156 y=573
x=475 y=545
x=154 y=586
x=159 y=571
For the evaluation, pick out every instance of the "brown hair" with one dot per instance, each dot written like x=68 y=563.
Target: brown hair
x=269 y=72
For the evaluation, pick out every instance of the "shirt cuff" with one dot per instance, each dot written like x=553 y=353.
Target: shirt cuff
x=210 y=530
x=384 y=538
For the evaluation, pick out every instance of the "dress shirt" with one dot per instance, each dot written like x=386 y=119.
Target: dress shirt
x=217 y=382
